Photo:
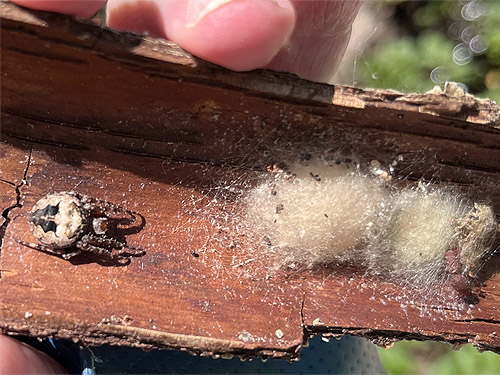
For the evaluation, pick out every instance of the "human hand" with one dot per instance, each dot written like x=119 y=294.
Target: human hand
x=19 y=358
x=307 y=38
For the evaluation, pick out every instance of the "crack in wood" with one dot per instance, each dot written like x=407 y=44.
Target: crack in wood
x=7 y=182
x=17 y=204
x=46 y=120
x=49 y=143
x=211 y=163
x=253 y=112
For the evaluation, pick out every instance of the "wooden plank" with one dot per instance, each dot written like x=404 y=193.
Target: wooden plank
x=12 y=176
x=169 y=298
x=142 y=124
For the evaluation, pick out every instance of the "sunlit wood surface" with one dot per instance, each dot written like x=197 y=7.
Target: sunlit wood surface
x=141 y=123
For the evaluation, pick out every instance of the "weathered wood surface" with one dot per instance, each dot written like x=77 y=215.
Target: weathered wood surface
x=143 y=124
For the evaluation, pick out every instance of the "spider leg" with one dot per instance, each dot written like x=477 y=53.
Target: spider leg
x=131 y=251
x=72 y=254
x=85 y=246
x=106 y=243
x=110 y=244
x=108 y=209
x=48 y=250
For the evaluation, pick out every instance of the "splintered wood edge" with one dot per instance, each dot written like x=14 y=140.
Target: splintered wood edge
x=149 y=51
x=146 y=53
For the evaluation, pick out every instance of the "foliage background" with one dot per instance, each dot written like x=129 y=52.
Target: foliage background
x=413 y=46
x=423 y=358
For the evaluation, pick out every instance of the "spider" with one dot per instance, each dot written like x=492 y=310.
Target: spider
x=64 y=220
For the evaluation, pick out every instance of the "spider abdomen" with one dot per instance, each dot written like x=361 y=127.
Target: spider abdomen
x=57 y=220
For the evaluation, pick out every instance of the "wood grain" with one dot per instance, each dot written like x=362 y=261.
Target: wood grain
x=143 y=124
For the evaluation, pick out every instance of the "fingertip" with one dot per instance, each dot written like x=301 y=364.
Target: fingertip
x=79 y=8
x=19 y=358
x=238 y=34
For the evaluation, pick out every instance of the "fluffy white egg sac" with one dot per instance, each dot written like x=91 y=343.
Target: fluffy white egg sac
x=415 y=235
x=316 y=213
x=322 y=213
x=475 y=234
x=421 y=227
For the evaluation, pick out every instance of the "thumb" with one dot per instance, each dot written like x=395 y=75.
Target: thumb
x=237 y=34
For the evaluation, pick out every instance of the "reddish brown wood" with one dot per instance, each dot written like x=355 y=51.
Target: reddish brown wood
x=169 y=297
x=142 y=124
x=12 y=175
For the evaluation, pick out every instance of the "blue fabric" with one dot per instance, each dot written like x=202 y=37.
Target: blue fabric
x=349 y=355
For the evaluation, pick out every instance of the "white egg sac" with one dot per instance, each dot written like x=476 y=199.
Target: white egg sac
x=325 y=213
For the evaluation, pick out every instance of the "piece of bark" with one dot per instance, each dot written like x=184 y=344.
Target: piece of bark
x=142 y=124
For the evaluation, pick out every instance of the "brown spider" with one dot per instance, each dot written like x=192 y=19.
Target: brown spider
x=64 y=220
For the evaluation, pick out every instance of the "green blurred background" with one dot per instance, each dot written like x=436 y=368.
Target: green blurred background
x=412 y=46
x=413 y=357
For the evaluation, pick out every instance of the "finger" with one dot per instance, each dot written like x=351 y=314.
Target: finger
x=318 y=43
x=80 y=8
x=19 y=358
x=237 y=34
